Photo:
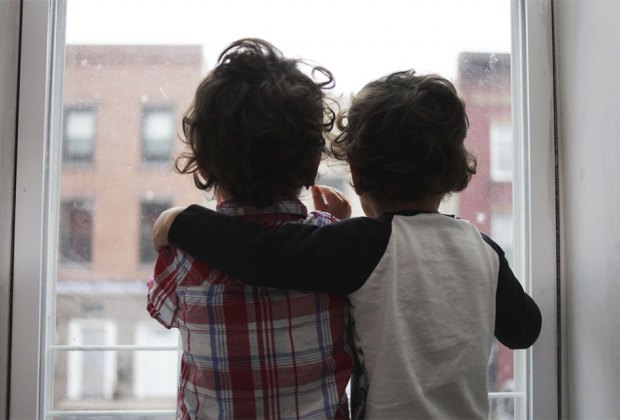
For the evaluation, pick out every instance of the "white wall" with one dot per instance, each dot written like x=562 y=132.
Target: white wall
x=9 y=36
x=588 y=34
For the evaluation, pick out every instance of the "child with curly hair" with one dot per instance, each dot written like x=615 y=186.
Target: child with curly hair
x=255 y=133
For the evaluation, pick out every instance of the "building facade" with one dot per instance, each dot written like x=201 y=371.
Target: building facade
x=122 y=111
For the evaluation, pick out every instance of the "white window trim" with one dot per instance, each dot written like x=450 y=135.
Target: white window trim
x=535 y=210
x=34 y=216
x=9 y=37
x=30 y=210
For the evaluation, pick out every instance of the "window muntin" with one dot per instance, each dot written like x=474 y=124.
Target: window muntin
x=80 y=129
x=519 y=396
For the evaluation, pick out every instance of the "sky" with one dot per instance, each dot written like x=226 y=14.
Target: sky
x=358 y=40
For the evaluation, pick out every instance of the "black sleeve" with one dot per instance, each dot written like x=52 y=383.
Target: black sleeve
x=517 y=318
x=334 y=258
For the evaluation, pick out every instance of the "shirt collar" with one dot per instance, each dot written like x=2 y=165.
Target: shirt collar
x=409 y=212
x=234 y=208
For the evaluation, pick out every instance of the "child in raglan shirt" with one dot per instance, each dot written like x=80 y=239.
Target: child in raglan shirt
x=428 y=291
x=255 y=133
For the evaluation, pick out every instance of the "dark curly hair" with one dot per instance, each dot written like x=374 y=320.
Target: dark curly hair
x=257 y=124
x=404 y=135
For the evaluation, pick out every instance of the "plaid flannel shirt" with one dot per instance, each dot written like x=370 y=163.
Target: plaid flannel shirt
x=252 y=352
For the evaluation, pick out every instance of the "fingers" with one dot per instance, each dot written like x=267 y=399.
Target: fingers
x=317 y=199
x=331 y=200
x=162 y=227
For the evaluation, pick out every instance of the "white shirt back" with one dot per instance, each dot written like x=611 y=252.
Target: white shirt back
x=425 y=319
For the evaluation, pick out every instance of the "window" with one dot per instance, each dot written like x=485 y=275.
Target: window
x=149 y=211
x=155 y=373
x=91 y=374
x=501 y=151
x=79 y=134
x=157 y=134
x=502 y=232
x=129 y=68
x=76 y=230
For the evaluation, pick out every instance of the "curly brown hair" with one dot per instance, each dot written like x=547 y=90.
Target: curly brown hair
x=257 y=124
x=404 y=134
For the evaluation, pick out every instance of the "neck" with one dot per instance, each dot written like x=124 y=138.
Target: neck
x=293 y=194
x=374 y=207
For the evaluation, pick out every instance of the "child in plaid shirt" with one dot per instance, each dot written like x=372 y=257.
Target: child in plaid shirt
x=255 y=133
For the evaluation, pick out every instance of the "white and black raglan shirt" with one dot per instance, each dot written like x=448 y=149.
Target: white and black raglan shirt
x=428 y=293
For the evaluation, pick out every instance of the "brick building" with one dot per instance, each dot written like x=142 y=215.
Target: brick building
x=122 y=111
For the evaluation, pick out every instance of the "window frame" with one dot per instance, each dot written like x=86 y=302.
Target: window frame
x=37 y=182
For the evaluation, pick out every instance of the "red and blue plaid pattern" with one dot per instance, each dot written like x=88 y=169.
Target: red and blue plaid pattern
x=251 y=352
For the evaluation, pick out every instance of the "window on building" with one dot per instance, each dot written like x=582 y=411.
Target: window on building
x=502 y=232
x=80 y=127
x=158 y=130
x=502 y=155
x=155 y=372
x=91 y=373
x=149 y=211
x=76 y=231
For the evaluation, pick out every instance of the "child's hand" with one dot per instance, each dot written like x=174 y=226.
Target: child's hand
x=162 y=226
x=331 y=200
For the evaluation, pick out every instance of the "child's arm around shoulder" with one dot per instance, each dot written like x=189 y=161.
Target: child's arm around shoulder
x=518 y=320
x=338 y=257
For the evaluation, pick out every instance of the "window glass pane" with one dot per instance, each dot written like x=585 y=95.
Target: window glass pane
x=137 y=89
x=485 y=85
x=126 y=87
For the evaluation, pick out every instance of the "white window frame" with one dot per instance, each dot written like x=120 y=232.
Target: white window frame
x=36 y=218
x=534 y=188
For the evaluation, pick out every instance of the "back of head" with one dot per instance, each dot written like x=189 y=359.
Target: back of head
x=257 y=124
x=404 y=135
